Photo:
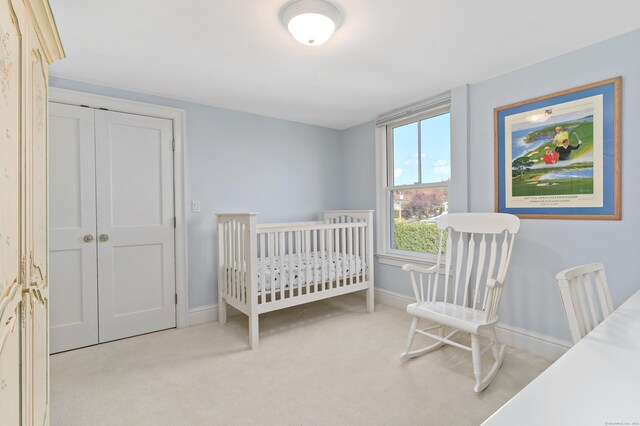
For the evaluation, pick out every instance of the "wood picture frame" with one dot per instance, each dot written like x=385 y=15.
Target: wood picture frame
x=558 y=156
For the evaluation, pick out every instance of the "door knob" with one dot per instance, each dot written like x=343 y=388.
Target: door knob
x=104 y=238
x=88 y=238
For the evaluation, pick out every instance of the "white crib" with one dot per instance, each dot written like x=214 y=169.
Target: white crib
x=265 y=267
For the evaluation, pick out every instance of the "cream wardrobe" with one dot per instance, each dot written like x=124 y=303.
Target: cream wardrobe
x=28 y=43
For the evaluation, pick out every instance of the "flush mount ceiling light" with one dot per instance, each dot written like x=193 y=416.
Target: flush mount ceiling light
x=311 y=22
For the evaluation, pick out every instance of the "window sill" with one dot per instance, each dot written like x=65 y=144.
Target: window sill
x=399 y=261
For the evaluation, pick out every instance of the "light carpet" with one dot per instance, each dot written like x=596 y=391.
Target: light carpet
x=324 y=363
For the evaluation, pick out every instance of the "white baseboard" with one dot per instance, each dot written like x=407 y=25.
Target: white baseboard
x=203 y=314
x=532 y=342
x=209 y=313
x=528 y=341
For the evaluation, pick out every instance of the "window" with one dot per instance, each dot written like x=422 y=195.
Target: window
x=418 y=164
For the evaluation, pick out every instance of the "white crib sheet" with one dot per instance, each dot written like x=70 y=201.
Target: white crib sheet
x=337 y=267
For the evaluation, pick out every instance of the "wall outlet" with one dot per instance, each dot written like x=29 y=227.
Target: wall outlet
x=195 y=206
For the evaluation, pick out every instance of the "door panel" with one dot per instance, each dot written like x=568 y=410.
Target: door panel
x=10 y=147
x=134 y=169
x=37 y=300
x=11 y=354
x=73 y=263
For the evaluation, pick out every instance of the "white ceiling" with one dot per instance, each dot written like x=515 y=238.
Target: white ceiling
x=235 y=54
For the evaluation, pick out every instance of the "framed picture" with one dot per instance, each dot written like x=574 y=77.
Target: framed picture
x=558 y=156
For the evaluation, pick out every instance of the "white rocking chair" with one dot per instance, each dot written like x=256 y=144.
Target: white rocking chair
x=478 y=244
x=585 y=297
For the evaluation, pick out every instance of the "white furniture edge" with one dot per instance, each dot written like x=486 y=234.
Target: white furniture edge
x=534 y=343
x=178 y=116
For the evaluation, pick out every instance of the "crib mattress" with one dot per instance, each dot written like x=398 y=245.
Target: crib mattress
x=338 y=265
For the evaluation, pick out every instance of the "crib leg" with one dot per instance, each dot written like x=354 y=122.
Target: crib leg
x=370 y=304
x=222 y=310
x=253 y=331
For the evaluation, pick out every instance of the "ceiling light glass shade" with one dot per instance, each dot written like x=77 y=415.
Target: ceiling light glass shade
x=311 y=22
x=311 y=29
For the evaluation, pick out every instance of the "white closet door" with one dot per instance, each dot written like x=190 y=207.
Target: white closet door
x=134 y=176
x=72 y=226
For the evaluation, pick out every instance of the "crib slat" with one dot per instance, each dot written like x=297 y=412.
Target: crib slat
x=238 y=265
x=272 y=258
x=314 y=256
x=343 y=239
x=226 y=258
x=329 y=256
x=307 y=260
x=363 y=254
x=281 y=251
x=356 y=260
x=350 y=244
x=323 y=264
x=263 y=270
x=242 y=268
x=290 y=264
x=230 y=265
x=299 y=264
x=234 y=261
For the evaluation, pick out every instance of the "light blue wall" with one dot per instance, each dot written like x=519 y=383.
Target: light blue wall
x=286 y=171
x=543 y=247
x=290 y=171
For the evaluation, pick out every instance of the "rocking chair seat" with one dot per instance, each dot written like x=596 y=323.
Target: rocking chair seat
x=455 y=316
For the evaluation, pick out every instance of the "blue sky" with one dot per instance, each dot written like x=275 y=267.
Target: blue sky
x=436 y=151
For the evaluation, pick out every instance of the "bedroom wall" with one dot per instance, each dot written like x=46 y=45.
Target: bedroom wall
x=531 y=301
x=284 y=170
x=544 y=247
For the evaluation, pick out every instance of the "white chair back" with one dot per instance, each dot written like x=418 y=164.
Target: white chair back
x=476 y=248
x=585 y=296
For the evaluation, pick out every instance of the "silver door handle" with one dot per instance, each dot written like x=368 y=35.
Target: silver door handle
x=103 y=238
x=88 y=238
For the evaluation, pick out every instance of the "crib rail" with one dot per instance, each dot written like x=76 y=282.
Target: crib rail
x=263 y=268
x=272 y=264
x=327 y=256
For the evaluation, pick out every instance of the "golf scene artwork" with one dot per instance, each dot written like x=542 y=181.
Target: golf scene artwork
x=557 y=156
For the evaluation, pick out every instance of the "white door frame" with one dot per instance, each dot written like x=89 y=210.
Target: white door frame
x=73 y=97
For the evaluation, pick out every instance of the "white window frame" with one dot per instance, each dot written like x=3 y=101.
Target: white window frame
x=459 y=198
x=384 y=155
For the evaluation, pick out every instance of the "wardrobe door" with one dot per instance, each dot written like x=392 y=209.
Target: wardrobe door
x=72 y=228
x=136 y=263
x=11 y=305
x=37 y=298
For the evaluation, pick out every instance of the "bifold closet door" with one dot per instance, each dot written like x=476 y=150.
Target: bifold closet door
x=136 y=262
x=72 y=227
x=112 y=264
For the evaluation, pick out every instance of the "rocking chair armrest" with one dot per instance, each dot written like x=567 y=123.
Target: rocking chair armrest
x=408 y=267
x=491 y=283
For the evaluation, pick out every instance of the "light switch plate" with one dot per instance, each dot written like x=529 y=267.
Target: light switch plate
x=195 y=206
